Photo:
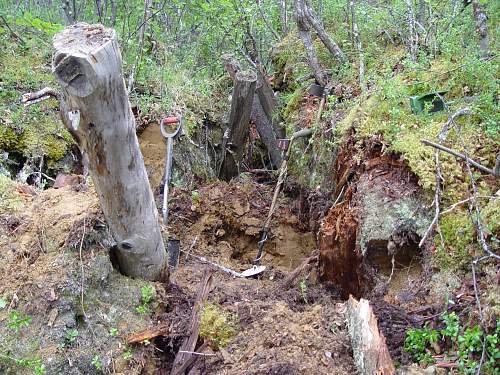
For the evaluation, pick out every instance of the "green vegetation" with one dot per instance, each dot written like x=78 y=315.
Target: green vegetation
x=303 y=290
x=217 y=325
x=10 y=201
x=466 y=343
x=71 y=336
x=147 y=297
x=17 y=321
x=35 y=365
x=96 y=362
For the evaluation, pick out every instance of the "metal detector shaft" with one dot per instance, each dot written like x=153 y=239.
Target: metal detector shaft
x=168 y=175
x=168 y=163
x=281 y=180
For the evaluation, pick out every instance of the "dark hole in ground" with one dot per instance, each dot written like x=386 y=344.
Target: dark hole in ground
x=397 y=263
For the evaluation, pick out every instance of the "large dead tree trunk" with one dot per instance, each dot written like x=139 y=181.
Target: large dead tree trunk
x=87 y=63
x=370 y=352
x=481 y=26
x=236 y=134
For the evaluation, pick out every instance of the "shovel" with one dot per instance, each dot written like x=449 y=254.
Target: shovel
x=170 y=136
x=285 y=145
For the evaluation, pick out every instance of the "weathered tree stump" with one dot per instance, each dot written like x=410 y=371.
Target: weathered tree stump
x=238 y=128
x=95 y=106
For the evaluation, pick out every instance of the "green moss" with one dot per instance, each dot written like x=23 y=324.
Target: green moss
x=10 y=201
x=217 y=325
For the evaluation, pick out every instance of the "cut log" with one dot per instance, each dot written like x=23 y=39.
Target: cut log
x=237 y=132
x=88 y=65
x=370 y=352
x=263 y=109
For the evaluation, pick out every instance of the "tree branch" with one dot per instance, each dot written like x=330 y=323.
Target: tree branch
x=460 y=156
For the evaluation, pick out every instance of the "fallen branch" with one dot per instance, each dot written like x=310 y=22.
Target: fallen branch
x=304 y=267
x=455 y=205
x=12 y=31
x=183 y=356
x=147 y=334
x=30 y=98
x=461 y=156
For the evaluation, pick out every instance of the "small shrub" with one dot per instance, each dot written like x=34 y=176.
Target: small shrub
x=147 y=296
x=16 y=321
x=216 y=325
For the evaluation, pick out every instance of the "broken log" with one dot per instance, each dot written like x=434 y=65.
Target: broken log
x=236 y=134
x=189 y=344
x=370 y=351
x=95 y=106
x=147 y=334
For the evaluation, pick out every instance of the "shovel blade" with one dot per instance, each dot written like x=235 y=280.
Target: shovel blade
x=255 y=270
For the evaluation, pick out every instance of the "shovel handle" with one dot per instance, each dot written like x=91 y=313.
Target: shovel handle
x=302 y=133
x=168 y=121
x=171 y=120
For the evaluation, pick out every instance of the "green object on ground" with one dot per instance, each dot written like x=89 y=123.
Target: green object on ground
x=418 y=103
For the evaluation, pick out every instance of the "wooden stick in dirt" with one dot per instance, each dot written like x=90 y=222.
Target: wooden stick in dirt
x=189 y=343
x=461 y=156
x=147 y=334
x=305 y=266
x=370 y=352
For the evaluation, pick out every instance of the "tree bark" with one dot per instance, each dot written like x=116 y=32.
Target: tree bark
x=236 y=134
x=268 y=102
x=359 y=46
x=481 y=26
x=283 y=16
x=313 y=20
x=265 y=130
x=370 y=351
x=88 y=65
x=305 y=36
x=412 y=31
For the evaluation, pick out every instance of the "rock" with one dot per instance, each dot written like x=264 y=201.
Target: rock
x=63 y=180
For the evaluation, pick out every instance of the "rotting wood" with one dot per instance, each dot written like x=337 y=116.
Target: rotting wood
x=147 y=334
x=94 y=105
x=189 y=344
x=236 y=134
x=370 y=351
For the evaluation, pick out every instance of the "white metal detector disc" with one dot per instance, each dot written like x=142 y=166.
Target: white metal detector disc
x=255 y=270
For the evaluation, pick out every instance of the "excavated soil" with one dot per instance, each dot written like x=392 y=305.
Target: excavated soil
x=281 y=328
